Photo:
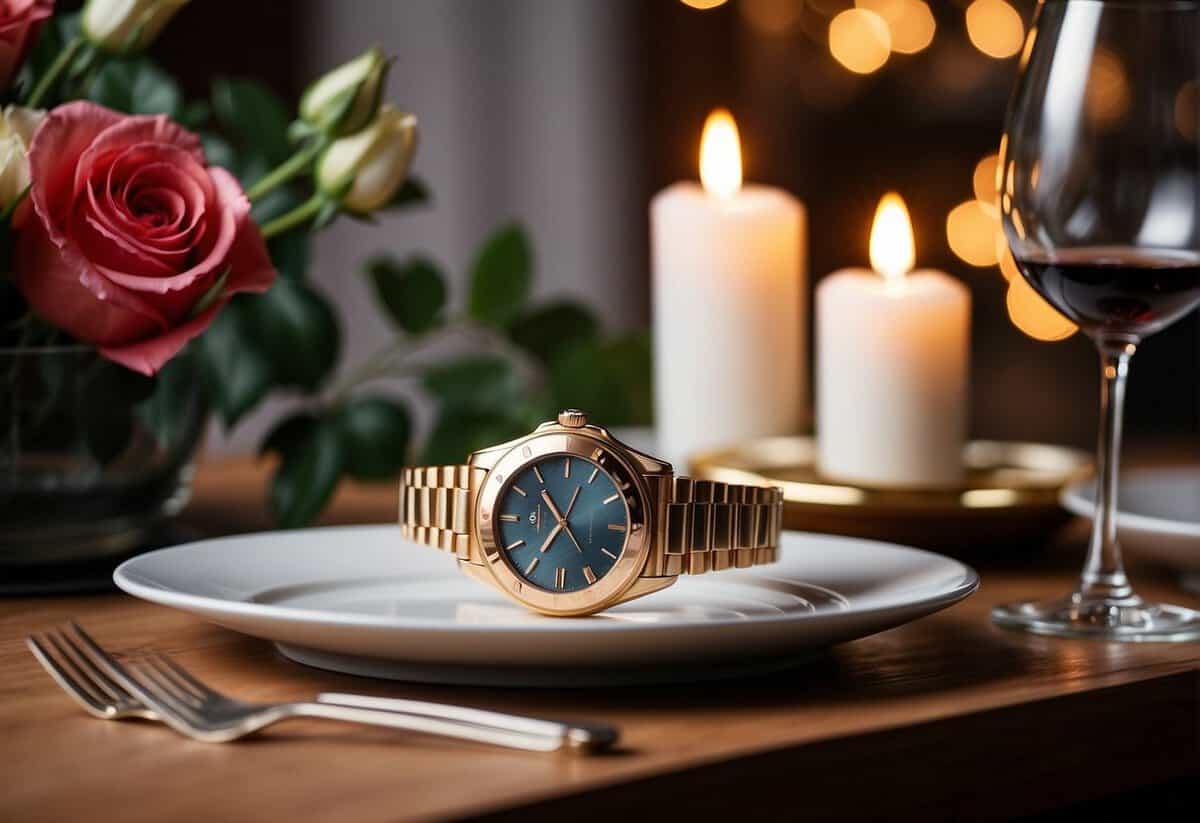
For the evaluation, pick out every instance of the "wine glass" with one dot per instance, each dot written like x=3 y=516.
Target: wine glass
x=1099 y=191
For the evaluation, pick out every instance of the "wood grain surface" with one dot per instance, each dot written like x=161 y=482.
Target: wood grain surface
x=946 y=718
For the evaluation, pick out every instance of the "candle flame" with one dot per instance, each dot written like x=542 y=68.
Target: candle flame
x=720 y=155
x=893 y=250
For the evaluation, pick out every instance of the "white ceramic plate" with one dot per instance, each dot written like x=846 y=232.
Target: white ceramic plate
x=1158 y=514
x=362 y=600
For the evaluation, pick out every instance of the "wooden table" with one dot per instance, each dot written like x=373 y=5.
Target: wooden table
x=946 y=718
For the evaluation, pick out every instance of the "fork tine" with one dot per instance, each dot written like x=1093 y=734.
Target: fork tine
x=201 y=689
x=63 y=677
x=167 y=709
x=149 y=665
x=162 y=696
x=102 y=685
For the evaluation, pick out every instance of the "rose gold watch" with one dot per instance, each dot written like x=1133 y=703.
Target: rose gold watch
x=569 y=521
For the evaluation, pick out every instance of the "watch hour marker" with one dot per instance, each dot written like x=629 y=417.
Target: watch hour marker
x=515 y=545
x=567 y=467
x=613 y=527
x=607 y=553
x=520 y=491
x=592 y=476
x=538 y=474
x=515 y=518
x=589 y=575
x=611 y=498
x=532 y=565
x=560 y=577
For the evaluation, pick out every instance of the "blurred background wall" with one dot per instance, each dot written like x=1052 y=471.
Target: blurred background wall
x=568 y=114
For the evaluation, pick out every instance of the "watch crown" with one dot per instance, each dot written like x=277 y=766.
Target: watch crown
x=572 y=418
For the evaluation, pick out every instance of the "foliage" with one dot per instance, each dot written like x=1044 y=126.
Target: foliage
x=490 y=370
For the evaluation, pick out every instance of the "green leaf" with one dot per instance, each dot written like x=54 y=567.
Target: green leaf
x=501 y=277
x=611 y=380
x=137 y=87
x=288 y=433
x=296 y=328
x=194 y=114
x=307 y=477
x=412 y=291
x=478 y=383
x=414 y=192
x=290 y=254
x=253 y=116
x=375 y=433
x=238 y=370
x=219 y=151
x=166 y=411
x=547 y=329
x=457 y=433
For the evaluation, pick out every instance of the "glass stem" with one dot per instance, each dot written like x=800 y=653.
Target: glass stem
x=1104 y=572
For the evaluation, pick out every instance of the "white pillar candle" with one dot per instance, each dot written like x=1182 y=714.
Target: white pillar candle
x=892 y=366
x=728 y=287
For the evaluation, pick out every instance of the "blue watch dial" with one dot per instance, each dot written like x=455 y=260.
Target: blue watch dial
x=561 y=523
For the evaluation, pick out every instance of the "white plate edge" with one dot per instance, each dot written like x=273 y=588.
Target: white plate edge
x=214 y=606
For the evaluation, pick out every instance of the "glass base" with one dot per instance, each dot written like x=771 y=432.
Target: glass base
x=1129 y=619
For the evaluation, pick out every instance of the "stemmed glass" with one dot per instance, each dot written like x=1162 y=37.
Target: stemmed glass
x=1099 y=190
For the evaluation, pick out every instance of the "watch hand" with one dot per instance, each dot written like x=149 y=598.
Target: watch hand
x=550 y=504
x=566 y=527
x=571 y=505
x=550 y=537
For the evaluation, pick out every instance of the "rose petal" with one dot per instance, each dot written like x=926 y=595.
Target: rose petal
x=57 y=145
x=148 y=356
x=56 y=285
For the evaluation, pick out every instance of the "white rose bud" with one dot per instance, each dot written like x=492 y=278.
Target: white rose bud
x=17 y=126
x=365 y=170
x=346 y=99
x=126 y=26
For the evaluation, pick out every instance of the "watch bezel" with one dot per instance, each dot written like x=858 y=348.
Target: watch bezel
x=609 y=589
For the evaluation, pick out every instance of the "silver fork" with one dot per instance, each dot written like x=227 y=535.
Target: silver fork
x=158 y=688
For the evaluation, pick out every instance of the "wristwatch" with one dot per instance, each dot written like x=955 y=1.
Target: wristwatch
x=569 y=521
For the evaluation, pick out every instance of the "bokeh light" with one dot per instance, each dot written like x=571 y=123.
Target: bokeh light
x=859 y=39
x=1035 y=317
x=772 y=16
x=971 y=232
x=1008 y=263
x=995 y=28
x=985 y=180
x=1187 y=111
x=910 y=22
x=703 y=4
x=1107 y=95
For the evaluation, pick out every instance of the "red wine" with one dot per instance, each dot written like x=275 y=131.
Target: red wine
x=1118 y=291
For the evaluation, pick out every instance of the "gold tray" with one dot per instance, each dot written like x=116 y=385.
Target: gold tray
x=1009 y=497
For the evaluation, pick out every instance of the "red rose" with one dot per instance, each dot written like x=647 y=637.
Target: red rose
x=134 y=243
x=20 y=22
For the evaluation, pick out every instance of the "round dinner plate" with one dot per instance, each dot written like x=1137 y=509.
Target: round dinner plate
x=362 y=600
x=1158 y=515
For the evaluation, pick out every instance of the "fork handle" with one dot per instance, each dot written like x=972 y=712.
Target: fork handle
x=584 y=736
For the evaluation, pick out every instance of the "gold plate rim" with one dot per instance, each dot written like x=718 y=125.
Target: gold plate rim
x=1006 y=475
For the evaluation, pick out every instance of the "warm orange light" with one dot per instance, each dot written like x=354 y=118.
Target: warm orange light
x=995 y=28
x=910 y=22
x=971 y=231
x=893 y=250
x=1008 y=264
x=1107 y=96
x=1031 y=314
x=703 y=4
x=984 y=180
x=860 y=40
x=720 y=155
